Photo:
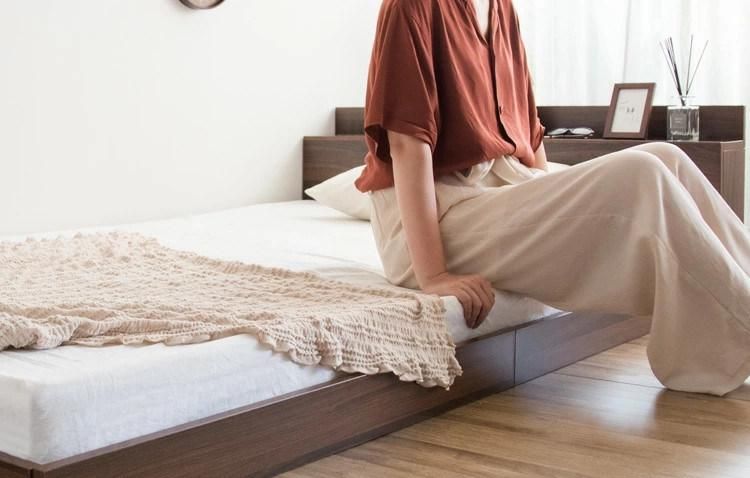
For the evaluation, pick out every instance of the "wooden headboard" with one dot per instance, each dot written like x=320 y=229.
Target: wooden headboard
x=326 y=156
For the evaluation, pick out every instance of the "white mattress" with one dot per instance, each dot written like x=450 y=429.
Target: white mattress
x=59 y=403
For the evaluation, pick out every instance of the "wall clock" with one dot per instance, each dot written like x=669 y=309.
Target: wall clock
x=201 y=4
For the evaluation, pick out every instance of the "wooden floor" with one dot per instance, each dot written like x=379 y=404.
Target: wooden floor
x=606 y=416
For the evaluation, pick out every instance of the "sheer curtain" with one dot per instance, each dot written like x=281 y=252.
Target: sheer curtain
x=578 y=49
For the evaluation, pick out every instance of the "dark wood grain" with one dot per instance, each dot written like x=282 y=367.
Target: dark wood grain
x=350 y=120
x=723 y=163
x=284 y=432
x=718 y=123
x=733 y=177
x=265 y=438
x=548 y=345
x=12 y=467
x=327 y=156
x=605 y=416
x=707 y=155
x=594 y=117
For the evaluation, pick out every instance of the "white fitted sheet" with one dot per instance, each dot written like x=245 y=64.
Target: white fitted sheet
x=58 y=403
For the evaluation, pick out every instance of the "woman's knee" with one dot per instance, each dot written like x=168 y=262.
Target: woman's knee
x=661 y=148
x=632 y=184
x=634 y=165
x=670 y=154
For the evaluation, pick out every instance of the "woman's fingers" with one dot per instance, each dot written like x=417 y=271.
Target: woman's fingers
x=488 y=298
x=476 y=303
x=475 y=294
x=487 y=287
x=465 y=301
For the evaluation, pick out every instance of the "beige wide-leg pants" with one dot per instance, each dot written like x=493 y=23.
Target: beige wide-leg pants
x=640 y=231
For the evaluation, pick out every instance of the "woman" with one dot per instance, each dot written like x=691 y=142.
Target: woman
x=464 y=200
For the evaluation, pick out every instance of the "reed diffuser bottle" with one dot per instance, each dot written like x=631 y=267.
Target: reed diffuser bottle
x=683 y=117
x=683 y=120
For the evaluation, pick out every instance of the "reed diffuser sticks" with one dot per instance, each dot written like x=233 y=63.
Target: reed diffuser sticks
x=683 y=87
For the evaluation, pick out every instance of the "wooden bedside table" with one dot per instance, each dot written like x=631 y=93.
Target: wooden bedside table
x=720 y=153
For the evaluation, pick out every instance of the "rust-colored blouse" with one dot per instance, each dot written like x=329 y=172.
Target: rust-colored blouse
x=433 y=75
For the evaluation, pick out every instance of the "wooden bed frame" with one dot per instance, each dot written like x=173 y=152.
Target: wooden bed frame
x=282 y=433
x=266 y=438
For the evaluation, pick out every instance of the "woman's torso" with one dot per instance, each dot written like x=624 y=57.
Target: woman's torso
x=473 y=120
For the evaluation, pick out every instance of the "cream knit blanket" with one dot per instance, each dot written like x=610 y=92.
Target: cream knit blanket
x=122 y=287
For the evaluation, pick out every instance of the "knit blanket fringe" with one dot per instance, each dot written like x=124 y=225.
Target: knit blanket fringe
x=125 y=288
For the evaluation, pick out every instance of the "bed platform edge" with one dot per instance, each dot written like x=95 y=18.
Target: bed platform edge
x=267 y=438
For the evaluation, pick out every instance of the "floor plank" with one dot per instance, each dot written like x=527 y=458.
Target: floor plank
x=604 y=416
x=627 y=363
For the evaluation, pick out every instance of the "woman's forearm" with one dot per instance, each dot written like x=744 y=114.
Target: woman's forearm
x=540 y=158
x=415 y=194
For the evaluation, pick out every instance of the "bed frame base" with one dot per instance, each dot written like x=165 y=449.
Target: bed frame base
x=285 y=432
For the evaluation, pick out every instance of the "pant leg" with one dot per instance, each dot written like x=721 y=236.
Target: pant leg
x=616 y=234
x=719 y=216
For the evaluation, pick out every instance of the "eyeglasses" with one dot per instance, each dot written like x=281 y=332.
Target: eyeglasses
x=582 y=132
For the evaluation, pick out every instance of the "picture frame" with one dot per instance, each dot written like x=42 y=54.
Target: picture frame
x=629 y=111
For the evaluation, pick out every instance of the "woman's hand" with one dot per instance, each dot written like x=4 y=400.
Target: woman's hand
x=417 y=203
x=474 y=292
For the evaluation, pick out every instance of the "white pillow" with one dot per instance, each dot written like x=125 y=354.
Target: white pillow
x=340 y=193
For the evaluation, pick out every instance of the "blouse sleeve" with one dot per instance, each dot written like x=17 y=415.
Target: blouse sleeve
x=536 y=129
x=401 y=89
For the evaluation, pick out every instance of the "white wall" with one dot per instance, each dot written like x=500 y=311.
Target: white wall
x=579 y=48
x=126 y=110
